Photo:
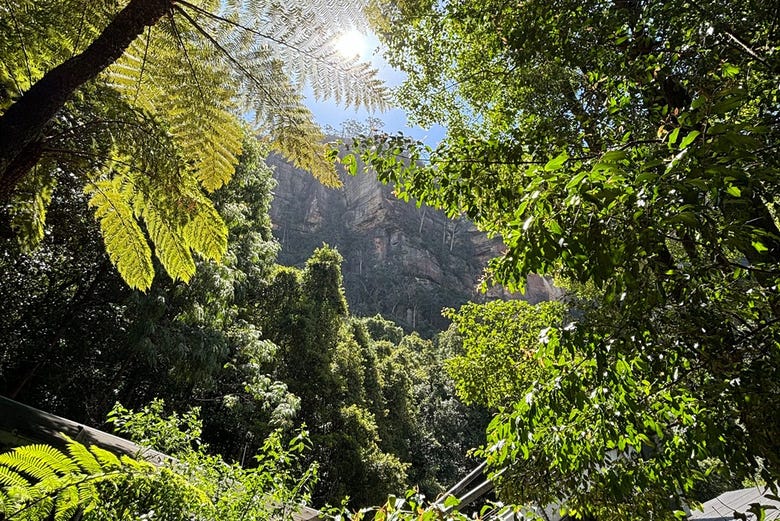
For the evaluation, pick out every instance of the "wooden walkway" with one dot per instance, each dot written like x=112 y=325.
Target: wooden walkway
x=21 y=424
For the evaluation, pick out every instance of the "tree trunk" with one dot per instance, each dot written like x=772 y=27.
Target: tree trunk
x=22 y=126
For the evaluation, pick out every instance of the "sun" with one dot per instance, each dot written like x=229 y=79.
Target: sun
x=351 y=44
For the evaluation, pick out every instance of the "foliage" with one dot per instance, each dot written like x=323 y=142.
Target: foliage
x=147 y=427
x=631 y=147
x=327 y=363
x=255 y=347
x=69 y=318
x=40 y=481
x=499 y=340
x=159 y=129
x=380 y=411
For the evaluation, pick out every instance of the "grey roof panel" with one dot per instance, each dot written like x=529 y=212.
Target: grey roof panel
x=722 y=508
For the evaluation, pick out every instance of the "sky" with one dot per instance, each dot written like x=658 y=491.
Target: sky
x=395 y=120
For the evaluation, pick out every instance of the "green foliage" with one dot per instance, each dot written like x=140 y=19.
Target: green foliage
x=66 y=312
x=41 y=482
x=147 y=427
x=256 y=347
x=381 y=329
x=630 y=147
x=500 y=340
x=155 y=132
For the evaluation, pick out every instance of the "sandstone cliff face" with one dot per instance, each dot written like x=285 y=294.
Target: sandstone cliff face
x=404 y=262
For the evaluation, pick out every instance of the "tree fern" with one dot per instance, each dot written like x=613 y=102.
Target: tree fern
x=125 y=241
x=170 y=248
x=42 y=482
x=205 y=231
x=165 y=117
x=39 y=481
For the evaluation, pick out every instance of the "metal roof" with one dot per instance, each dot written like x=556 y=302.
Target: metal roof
x=722 y=508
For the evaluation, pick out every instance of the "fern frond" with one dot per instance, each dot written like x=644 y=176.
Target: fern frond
x=28 y=462
x=125 y=242
x=82 y=457
x=87 y=496
x=169 y=244
x=11 y=478
x=68 y=502
x=198 y=110
x=211 y=142
x=300 y=36
x=46 y=455
x=206 y=232
x=108 y=460
x=300 y=140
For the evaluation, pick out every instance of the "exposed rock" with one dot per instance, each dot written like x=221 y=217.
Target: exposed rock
x=402 y=261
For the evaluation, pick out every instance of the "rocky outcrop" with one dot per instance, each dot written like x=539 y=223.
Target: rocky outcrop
x=403 y=261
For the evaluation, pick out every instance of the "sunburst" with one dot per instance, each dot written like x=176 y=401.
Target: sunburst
x=351 y=44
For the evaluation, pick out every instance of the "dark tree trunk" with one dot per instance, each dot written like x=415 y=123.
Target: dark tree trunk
x=22 y=125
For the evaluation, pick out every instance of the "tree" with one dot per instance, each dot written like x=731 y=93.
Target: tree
x=143 y=103
x=499 y=342
x=69 y=318
x=632 y=147
x=326 y=359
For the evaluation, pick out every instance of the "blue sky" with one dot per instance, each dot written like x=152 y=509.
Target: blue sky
x=329 y=113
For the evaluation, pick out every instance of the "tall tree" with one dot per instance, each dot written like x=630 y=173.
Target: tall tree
x=143 y=99
x=67 y=317
x=633 y=147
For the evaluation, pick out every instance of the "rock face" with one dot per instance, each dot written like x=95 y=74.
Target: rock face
x=404 y=262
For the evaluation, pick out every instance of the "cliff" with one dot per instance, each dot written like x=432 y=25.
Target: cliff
x=404 y=262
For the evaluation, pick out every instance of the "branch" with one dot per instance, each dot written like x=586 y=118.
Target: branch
x=23 y=124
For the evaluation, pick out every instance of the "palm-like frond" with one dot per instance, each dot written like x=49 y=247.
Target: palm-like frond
x=125 y=241
x=163 y=124
x=42 y=482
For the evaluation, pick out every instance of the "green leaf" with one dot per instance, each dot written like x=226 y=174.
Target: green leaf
x=687 y=140
x=672 y=137
x=759 y=247
x=729 y=70
x=169 y=245
x=451 y=501
x=557 y=162
x=206 y=232
x=734 y=191
x=613 y=156
x=125 y=242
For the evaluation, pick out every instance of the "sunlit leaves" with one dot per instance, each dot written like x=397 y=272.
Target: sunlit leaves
x=631 y=147
x=125 y=241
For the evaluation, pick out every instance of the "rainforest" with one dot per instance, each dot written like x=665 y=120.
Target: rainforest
x=214 y=308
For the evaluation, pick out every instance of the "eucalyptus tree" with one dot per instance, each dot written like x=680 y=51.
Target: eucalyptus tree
x=632 y=147
x=143 y=101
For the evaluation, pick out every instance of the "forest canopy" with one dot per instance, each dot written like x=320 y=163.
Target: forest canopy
x=630 y=148
x=626 y=148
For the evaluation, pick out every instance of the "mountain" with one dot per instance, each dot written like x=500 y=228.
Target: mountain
x=403 y=262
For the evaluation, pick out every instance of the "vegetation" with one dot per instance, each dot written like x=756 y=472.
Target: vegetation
x=630 y=147
x=257 y=347
x=41 y=482
x=627 y=148
x=142 y=102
